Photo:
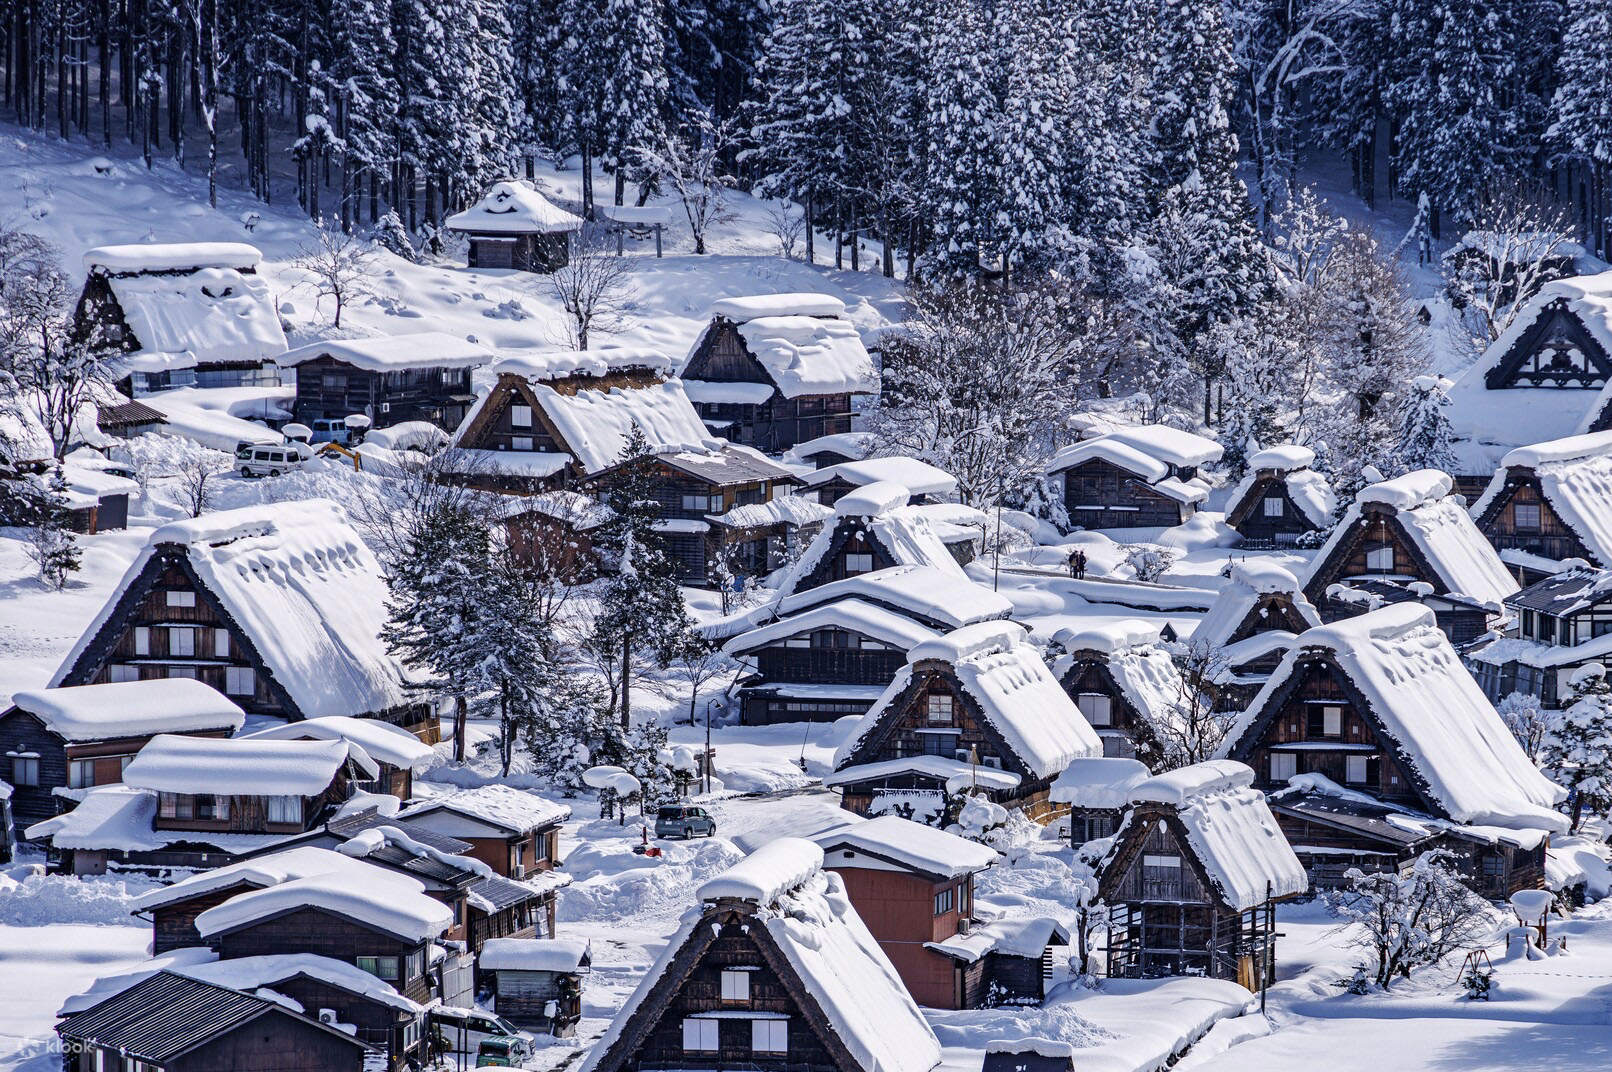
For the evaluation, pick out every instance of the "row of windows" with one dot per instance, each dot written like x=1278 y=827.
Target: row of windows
x=700 y=1035
x=280 y=809
x=1357 y=770
x=389 y=968
x=836 y=639
x=238 y=680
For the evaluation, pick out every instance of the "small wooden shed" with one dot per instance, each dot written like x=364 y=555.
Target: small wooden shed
x=537 y=982
x=514 y=226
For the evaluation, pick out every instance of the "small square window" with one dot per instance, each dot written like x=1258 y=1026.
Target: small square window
x=699 y=1035
x=181 y=599
x=940 y=710
x=1380 y=559
x=520 y=417
x=181 y=640
x=520 y=443
x=1284 y=765
x=119 y=672
x=1273 y=507
x=239 y=681
x=81 y=774
x=1098 y=709
x=769 y=1036
x=1332 y=721
x=1356 y=770
x=858 y=563
x=25 y=770
x=735 y=986
x=697 y=503
x=221 y=643
x=1526 y=516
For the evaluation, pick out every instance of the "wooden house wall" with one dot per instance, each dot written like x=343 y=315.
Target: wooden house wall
x=22 y=732
x=1552 y=538
x=662 y=1047
x=1318 y=686
x=522 y=998
x=250 y=814
x=775 y=425
x=173 y=926
x=1125 y=499
x=379 y=1025
x=534 y=252
x=851 y=536
x=332 y=389
x=532 y=919
x=1271 y=610
x=830 y=666
x=899 y=910
x=274 y=1042
x=1137 y=881
x=1248 y=517
x=309 y=930
x=99 y=316
x=538 y=850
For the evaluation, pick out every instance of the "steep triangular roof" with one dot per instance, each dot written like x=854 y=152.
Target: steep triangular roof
x=1574 y=477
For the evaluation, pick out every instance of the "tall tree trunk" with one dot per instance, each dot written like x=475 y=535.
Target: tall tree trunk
x=626 y=678
x=461 y=715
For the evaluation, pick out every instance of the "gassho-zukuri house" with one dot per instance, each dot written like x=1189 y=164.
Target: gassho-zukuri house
x=774 y=971
x=976 y=709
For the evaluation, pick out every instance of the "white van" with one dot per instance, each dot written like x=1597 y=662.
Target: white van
x=268 y=461
x=330 y=430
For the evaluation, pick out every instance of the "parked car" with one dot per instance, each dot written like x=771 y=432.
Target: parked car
x=507 y=1051
x=683 y=821
x=466 y=1030
x=268 y=461
x=331 y=430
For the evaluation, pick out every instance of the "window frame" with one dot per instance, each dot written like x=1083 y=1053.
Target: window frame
x=1273 y=506
x=769 y=1036
x=1107 y=714
x=700 y=1027
x=1286 y=759
x=734 y=986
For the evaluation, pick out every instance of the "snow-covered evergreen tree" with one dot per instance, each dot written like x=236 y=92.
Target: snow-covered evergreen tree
x=50 y=540
x=612 y=81
x=1425 y=437
x=1577 y=751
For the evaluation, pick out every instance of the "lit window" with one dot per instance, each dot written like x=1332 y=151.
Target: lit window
x=1273 y=507
x=1355 y=770
x=239 y=681
x=285 y=809
x=520 y=443
x=520 y=417
x=735 y=986
x=1526 y=516
x=142 y=640
x=940 y=710
x=1098 y=709
x=699 y=1035
x=769 y=1036
x=181 y=640
x=1380 y=559
x=1284 y=765
x=181 y=599
x=24 y=770
x=118 y=672
x=221 y=643
x=81 y=773
x=858 y=563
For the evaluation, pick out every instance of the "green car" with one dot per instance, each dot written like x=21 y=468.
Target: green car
x=507 y=1051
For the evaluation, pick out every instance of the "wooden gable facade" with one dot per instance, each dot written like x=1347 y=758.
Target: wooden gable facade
x=1126 y=732
x=1376 y=551
x=1270 y=610
x=1266 y=516
x=1520 y=516
x=693 y=1019
x=853 y=549
x=935 y=716
x=1099 y=494
x=1557 y=351
x=528 y=251
x=828 y=656
x=37 y=761
x=167 y=623
x=330 y=389
x=1167 y=917
x=772 y=426
x=403 y=963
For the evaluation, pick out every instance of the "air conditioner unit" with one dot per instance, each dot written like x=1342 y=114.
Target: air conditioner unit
x=520 y=871
x=327 y=1016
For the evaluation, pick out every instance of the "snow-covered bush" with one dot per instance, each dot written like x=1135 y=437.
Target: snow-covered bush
x=1148 y=562
x=1407 y=921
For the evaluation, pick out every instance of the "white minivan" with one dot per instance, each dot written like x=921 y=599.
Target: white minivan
x=267 y=461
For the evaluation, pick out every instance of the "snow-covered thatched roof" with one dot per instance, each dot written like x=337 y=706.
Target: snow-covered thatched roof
x=131 y=709
x=1310 y=490
x=943 y=596
x=512 y=208
x=242 y=766
x=1230 y=830
x=1016 y=695
x=918 y=477
x=850 y=614
x=1575 y=477
x=1246 y=582
x=172 y=257
x=1144 y=672
x=850 y=987
x=1439 y=528
x=1098 y=782
x=382 y=741
x=803 y=341
x=1427 y=706
x=304 y=589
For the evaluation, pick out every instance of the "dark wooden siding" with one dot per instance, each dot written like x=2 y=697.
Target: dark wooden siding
x=1257 y=529
x=310 y=930
x=1100 y=495
x=332 y=389
x=1551 y=537
x=274 y=1042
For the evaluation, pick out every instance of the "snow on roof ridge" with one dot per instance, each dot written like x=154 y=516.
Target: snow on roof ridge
x=1098 y=781
x=381 y=741
x=1181 y=785
x=268 y=869
x=1392 y=622
x=131 y=708
x=512 y=206
x=1566 y=449
x=766 y=874
x=1112 y=450
x=386 y=900
x=1171 y=445
x=922 y=590
x=533 y=954
x=559 y=364
x=382 y=353
x=239 y=765
x=1282 y=456
x=498 y=804
x=918 y=845
x=970 y=641
x=1109 y=636
x=1263 y=575
x=1407 y=492
x=871 y=500
x=917 y=476
x=790 y=303
x=172 y=256
x=264 y=519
